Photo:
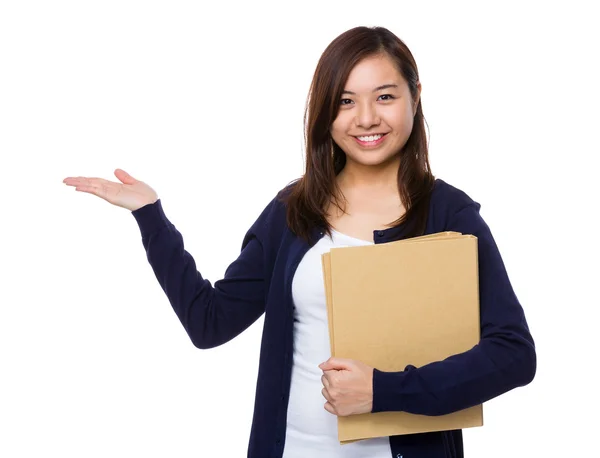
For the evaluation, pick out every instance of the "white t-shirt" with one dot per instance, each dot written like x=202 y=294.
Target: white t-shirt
x=311 y=430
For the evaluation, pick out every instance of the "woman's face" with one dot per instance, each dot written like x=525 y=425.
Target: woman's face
x=376 y=113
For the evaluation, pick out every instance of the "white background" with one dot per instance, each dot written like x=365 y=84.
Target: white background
x=204 y=102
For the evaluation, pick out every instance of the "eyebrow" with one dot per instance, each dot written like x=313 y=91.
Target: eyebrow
x=378 y=88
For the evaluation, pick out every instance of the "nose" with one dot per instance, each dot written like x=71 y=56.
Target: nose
x=367 y=116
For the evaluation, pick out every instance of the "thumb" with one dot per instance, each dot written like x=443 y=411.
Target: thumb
x=335 y=364
x=124 y=177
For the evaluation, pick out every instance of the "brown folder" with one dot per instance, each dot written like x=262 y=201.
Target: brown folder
x=412 y=301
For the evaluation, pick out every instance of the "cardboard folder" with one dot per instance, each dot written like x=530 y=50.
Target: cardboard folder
x=412 y=301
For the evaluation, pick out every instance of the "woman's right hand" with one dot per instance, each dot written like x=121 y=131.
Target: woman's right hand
x=130 y=193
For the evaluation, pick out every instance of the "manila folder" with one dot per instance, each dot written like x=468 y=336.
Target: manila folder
x=413 y=301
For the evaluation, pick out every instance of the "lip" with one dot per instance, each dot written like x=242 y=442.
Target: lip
x=373 y=143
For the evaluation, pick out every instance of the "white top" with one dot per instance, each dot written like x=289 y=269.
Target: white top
x=311 y=430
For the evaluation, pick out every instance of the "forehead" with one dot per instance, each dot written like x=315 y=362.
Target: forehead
x=374 y=71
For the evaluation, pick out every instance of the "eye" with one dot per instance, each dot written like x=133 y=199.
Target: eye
x=345 y=101
x=387 y=96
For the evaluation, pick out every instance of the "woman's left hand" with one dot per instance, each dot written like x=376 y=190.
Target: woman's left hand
x=347 y=386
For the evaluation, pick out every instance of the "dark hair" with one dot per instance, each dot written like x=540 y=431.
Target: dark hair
x=308 y=197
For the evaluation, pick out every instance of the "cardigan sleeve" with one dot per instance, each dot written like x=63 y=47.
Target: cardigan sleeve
x=211 y=315
x=503 y=359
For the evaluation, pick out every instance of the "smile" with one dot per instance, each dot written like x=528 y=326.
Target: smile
x=370 y=140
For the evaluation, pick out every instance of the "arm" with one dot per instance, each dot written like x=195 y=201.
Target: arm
x=504 y=358
x=210 y=315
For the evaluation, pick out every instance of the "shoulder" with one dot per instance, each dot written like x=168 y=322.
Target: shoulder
x=272 y=220
x=448 y=202
x=450 y=198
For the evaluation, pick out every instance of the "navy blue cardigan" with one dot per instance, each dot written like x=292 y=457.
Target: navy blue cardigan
x=260 y=279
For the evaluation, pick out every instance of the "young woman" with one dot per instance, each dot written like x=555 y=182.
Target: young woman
x=367 y=180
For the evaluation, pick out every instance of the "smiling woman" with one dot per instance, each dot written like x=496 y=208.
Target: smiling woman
x=367 y=181
x=364 y=127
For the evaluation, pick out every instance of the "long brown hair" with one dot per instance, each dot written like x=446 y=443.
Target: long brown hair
x=308 y=197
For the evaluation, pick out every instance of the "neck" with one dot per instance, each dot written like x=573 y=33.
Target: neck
x=371 y=178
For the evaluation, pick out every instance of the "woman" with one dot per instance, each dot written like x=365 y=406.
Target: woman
x=367 y=180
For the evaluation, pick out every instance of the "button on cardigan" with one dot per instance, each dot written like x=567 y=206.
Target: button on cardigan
x=259 y=282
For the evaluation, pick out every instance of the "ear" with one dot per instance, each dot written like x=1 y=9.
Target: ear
x=417 y=98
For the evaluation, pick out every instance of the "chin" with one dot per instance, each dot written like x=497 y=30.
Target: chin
x=372 y=159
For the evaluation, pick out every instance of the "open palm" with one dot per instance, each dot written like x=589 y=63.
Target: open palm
x=130 y=193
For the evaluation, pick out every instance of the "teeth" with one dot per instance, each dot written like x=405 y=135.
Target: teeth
x=370 y=138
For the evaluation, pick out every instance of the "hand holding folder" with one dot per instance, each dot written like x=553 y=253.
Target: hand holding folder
x=412 y=301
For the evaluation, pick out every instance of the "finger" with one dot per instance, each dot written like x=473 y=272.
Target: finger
x=124 y=176
x=329 y=408
x=89 y=189
x=324 y=365
x=334 y=363
x=98 y=188
x=84 y=189
x=325 y=381
x=326 y=395
x=86 y=184
x=86 y=181
x=74 y=181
